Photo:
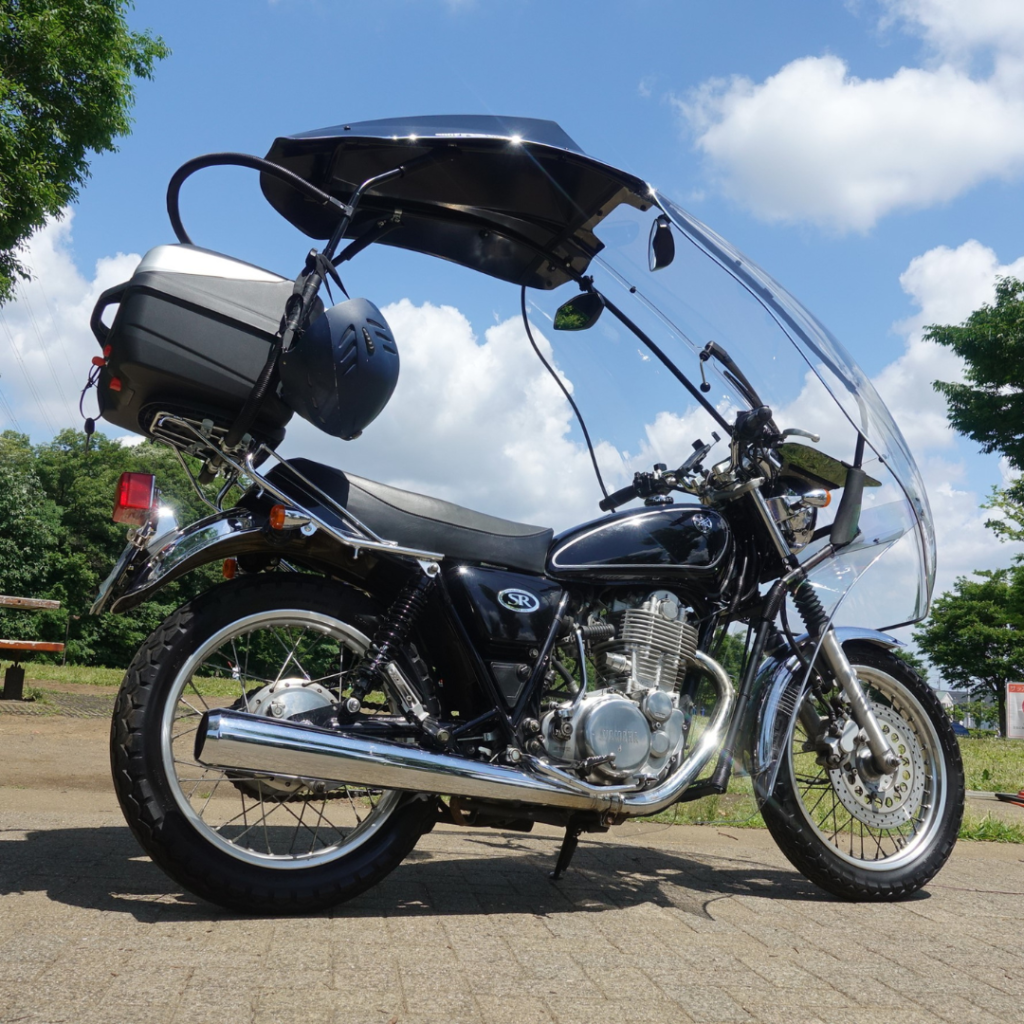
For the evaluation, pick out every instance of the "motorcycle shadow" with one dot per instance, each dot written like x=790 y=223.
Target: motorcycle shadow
x=460 y=874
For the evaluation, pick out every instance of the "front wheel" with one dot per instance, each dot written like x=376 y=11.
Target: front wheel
x=863 y=837
x=273 y=645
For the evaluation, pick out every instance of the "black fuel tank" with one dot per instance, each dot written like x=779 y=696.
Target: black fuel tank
x=644 y=544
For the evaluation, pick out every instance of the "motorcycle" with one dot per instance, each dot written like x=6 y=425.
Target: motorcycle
x=377 y=661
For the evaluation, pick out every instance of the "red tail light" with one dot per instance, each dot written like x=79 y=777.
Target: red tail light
x=135 y=498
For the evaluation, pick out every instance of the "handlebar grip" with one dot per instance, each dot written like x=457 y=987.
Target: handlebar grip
x=750 y=424
x=619 y=497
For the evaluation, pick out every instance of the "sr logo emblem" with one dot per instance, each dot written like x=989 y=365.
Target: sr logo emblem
x=518 y=600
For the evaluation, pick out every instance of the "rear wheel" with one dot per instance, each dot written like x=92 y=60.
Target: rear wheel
x=858 y=835
x=269 y=645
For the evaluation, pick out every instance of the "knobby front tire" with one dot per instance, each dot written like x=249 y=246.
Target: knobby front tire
x=257 y=845
x=847 y=836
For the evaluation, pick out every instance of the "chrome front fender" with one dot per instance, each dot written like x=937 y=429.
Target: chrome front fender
x=142 y=570
x=782 y=687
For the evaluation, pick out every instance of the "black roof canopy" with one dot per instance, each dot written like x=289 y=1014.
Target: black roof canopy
x=514 y=198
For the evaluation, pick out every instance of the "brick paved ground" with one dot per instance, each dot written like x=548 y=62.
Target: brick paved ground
x=651 y=924
x=654 y=924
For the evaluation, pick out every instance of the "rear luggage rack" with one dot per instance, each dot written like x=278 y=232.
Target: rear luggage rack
x=205 y=440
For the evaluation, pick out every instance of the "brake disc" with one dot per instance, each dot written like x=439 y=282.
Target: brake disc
x=873 y=802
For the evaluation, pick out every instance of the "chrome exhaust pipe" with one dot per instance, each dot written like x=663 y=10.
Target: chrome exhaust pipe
x=232 y=739
x=235 y=740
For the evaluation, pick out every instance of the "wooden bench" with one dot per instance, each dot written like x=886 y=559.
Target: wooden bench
x=18 y=650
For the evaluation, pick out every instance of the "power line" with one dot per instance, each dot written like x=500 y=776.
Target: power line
x=10 y=412
x=45 y=416
x=22 y=297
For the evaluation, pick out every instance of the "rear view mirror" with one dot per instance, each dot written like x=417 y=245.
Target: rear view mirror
x=579 y=313
x=661 y=249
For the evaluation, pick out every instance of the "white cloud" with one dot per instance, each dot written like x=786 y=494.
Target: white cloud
x=475 y=421
x=956 y=29
x=814 y=143
x=946 y=285
x=45 y=342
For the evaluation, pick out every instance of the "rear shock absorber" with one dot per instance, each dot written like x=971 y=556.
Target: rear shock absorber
x=391 y=634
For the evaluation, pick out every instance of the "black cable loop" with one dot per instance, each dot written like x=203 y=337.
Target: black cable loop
x=255 y=163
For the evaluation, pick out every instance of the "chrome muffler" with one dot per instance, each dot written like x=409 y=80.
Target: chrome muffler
x=233 y=739
x=254 y=743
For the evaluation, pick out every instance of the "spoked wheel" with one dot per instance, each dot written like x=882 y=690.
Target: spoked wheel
x=859 y=834
x=275 y=646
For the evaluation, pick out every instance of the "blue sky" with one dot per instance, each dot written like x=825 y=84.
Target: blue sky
x=868 y=154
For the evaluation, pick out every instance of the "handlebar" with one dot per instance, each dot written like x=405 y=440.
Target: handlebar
x=619 y=497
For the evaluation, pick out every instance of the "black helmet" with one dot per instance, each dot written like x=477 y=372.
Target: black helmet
x=342 y=371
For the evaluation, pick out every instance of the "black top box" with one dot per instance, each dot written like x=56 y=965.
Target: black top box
x=192 y=333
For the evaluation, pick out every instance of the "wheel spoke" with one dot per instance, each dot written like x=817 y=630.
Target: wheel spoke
x=865 y=819
x=253 y=816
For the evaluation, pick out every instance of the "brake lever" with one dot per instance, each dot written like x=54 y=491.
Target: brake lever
x=797 y=432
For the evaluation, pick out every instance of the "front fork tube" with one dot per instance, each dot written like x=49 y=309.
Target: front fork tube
x=882 y=754
x=765 y=629
x=832 y=651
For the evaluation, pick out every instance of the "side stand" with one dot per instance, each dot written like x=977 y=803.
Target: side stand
x=569 y=844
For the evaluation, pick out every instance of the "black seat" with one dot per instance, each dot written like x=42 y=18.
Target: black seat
x=418 y=521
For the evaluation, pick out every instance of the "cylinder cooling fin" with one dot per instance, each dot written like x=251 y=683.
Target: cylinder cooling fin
x=658 y=640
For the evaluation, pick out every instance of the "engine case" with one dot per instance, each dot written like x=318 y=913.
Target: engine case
x=634 y=720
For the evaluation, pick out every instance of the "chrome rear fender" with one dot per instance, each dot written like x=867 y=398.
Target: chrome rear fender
x=143 y=569
x=782 y=686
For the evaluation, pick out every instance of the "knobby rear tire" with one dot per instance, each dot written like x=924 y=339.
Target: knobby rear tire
x=153 y=796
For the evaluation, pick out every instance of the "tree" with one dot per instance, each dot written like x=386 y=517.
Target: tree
x=29 y=531
x=989 y=406
x=66 y=71
x=978 y=711
x=975 y=636
x=57 y=539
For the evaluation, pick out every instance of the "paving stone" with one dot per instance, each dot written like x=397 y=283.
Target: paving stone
x=677 y=924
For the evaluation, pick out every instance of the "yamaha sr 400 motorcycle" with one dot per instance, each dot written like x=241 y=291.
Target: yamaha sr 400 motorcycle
x=380 y=660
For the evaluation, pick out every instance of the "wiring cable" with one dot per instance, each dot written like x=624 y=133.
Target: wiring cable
x=565 y=391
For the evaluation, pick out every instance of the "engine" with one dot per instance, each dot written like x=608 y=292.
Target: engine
x=629 y=725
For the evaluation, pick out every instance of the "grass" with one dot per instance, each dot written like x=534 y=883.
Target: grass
x=991 y=830
x=41 y=674
x=993 y=765
x=990 y=764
